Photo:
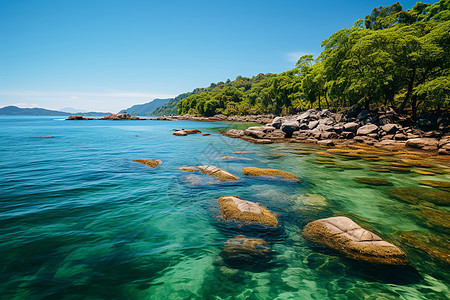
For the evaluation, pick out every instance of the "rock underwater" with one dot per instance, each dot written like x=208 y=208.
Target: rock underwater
x=347 y=237
x=232 y=207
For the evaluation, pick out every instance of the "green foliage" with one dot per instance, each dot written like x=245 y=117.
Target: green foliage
x=392 y=57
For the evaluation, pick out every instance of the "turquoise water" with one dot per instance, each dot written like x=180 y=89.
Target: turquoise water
x=80 y=219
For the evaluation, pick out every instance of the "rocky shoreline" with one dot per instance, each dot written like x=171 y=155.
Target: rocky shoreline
x=381 y=127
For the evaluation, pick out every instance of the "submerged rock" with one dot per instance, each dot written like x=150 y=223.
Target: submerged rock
x=254 y=171
x=313 y=199
x=420 y=196
x=443 y=185
x=217 y=172
x=372 y=181
x=232 y=207
x=188 y=169
x=347 y=237
x=240 y=245
x=149 y=162
x=435 y=218
x=434 y=245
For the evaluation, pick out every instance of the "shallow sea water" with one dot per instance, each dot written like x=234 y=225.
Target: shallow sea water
x=80 y=220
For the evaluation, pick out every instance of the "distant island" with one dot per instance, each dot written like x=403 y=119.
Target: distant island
x=35 y=111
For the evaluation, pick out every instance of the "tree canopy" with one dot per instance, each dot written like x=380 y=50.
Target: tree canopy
x=391 y=57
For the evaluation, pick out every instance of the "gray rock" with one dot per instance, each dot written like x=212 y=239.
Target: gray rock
x=363 y=114
x=351 y=126
x=348 y=134
x=327 y=142
x=400 y=136
x=390 y=128
x=367 y=129
x=234 y=133
x=323 y=127
x=276 y=134
x=338 y=128
x=423 y=143
x=313 y=124
x=290 y=126
x=277 y=122
x=328 y=135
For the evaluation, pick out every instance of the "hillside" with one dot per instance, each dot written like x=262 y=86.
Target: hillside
x=392 y=57
x=145 y=109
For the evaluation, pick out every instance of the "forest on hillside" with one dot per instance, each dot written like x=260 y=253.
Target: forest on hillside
x=391 y=57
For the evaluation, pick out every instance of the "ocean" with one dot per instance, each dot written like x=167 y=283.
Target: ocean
x=80 y=220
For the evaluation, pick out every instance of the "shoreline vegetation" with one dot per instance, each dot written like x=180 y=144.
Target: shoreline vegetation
x=384 y=82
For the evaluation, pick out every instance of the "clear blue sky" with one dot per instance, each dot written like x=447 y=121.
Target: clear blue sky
x=106 y=55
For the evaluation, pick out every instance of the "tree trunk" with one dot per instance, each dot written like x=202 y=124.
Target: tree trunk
x=414 y=107
x=410 y=88
x=326 y=100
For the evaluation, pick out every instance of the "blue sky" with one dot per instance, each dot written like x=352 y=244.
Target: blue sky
x=106 y=55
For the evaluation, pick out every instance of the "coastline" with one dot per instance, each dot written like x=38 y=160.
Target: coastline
x=381 y=128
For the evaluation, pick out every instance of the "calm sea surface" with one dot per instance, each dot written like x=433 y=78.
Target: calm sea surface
x=80 y=220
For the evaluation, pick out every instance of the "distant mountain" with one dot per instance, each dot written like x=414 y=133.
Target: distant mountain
x=73 y=110
x=17 y=111
x=145 y=109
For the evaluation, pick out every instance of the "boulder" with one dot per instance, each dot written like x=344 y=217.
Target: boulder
x=348 y=134
x=420 y=196
x=363 y=114
x=234 y=133
x=149 y=162
x=327 y=143
x=289 y=127
x=255 y=132
x=242 y=252
x=423 y=143
x=351 y=126
x=180 y=133
x=276 y=134
x=254 y=171
x=232 y=207
x=277 y=122
x=390 y=128
x=221 y=174
x=347 y=237
x=367 y=129
x=313 y=124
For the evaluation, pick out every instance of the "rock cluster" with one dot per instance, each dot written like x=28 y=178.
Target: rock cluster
x=347 y=237
x=381 y=127
x=122 y=116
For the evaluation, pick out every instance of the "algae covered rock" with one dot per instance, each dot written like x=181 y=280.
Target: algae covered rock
x=254 y=171
x=347 y=237
x=221 y=174
x=313 y=199
x=435 y=218
x=188 y=169
x=241 y=247
x=232 y=207
x=420 y=196
x=149 y=162
x=443 y=185
x=434 y=245
x=372 y=181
